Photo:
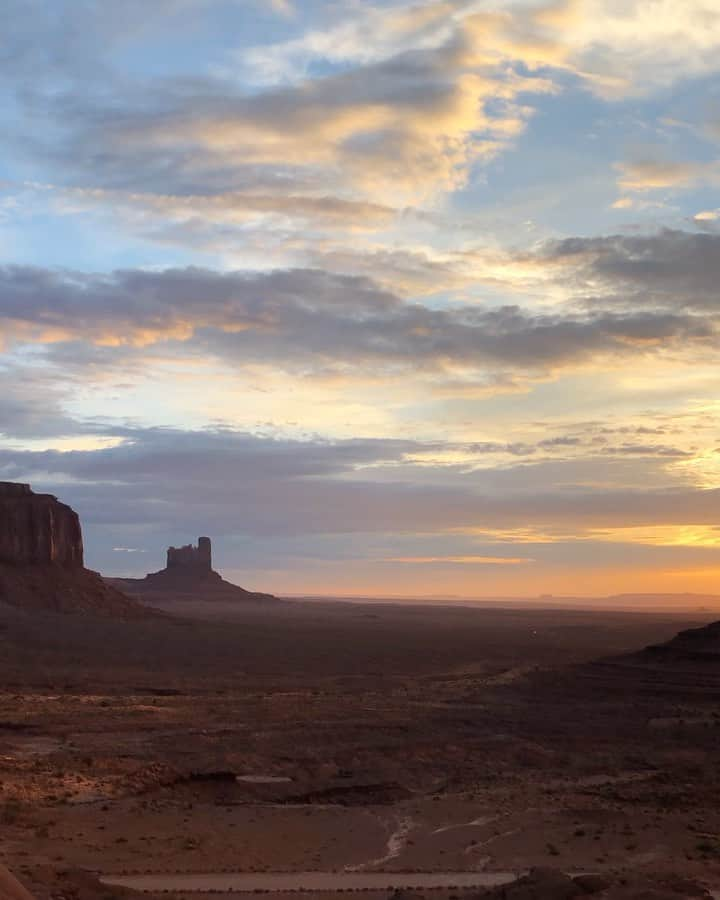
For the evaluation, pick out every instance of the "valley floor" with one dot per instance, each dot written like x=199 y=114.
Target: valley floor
x=353 y=741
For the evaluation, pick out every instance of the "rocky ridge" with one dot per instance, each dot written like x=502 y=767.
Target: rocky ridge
x=694 y=644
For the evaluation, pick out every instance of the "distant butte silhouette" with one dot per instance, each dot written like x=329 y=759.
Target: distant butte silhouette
x=187 y=564
x=189 y=571
x=41 y=558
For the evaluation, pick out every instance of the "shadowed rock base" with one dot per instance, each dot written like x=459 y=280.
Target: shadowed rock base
x=66 y=591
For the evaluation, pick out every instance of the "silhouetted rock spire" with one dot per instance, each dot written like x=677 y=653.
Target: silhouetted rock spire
x=189 y=573
x=189 y=559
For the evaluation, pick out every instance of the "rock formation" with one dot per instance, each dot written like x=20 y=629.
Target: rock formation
x=189 y=561
x=186 y=566
x=41 y=558
x=695 y=644
x=36 y=529
x=189 y=575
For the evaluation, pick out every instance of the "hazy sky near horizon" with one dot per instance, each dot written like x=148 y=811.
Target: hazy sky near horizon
x=386 y=297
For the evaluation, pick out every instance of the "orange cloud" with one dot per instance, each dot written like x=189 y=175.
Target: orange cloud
x=462 y=560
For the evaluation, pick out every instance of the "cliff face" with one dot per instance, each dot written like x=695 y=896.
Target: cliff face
x=36 y=529
x=41 y=559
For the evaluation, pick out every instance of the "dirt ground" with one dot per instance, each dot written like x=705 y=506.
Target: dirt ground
x=297 y=737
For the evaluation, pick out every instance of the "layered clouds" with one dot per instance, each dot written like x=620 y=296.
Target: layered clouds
x=310 y=319
x=357 y=515
x=380 y=295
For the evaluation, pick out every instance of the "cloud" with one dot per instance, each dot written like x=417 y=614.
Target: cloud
x=283 y=7
x=409 y=123
x=615 y=50
x=670 y=269
x=381 y=103
x=32 y=403
x=658 y=174
x=350 y=120
x=255 y=494
x=239 y=206
x=462 y=560
x=632 y=49
x=48 y=47
x=309 y=320
x=367 y=34
x=413 y=124
x=647 y=450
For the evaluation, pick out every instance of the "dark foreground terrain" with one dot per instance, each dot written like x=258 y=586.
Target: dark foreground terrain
x=340 y=741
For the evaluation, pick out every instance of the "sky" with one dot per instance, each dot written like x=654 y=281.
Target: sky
x=406 y=297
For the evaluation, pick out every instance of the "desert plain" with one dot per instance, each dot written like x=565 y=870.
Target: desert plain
x=325 y=746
